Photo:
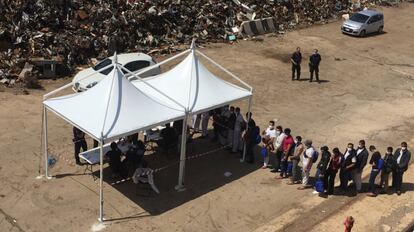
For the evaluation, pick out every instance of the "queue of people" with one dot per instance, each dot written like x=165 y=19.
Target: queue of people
x=287 y=154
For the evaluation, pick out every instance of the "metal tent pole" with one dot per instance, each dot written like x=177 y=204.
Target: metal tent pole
x=45 y=143
x=101 y=183
x=180 y=186
x=247 y=127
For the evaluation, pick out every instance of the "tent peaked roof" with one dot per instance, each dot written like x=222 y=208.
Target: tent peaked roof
x=113 y=108
x=192 y=85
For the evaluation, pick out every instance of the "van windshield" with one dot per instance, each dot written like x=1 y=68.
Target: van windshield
x=360 y=18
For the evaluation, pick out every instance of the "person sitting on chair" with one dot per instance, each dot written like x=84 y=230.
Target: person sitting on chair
x=169 y=138
x=114 y=158
x=134 y=157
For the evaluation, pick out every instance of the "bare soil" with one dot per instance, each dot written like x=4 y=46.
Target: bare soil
x=367 y=93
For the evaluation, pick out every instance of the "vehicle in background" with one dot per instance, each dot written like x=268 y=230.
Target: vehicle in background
x=134 y=62
x=363 y=23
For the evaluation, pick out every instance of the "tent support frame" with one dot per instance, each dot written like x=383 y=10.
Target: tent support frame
x=45 y=145
x=101 y=201
x=180 y=186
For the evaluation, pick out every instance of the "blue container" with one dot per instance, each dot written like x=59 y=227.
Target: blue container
x=319 y=187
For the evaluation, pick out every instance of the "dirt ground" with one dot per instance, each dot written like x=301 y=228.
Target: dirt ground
x=367 y=93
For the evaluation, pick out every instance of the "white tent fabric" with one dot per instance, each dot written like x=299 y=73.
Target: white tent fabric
x=114 y=107
x=192 y=85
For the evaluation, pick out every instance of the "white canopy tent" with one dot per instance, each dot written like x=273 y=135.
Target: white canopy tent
x=112 y=109
x=193 y=86
x=116 y=107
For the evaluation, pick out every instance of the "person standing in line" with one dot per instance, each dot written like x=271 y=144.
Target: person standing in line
x=323 y=162
x=205 y=117
x=299 y=148
x=347 y=166
x=377 y=164
x=239 y=126
x=333 y=167
x=307 y=164
x=268 y=138
x=79 y=142
x=231 y=121
x=387 y=169
x=402 y=158
x=278 y=146
x=314 y=61
x=287 y=146
x=361 y=161
x=250 y=139
x=296 y=58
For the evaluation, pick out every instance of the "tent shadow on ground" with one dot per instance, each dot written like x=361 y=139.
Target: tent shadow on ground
x=202 y=175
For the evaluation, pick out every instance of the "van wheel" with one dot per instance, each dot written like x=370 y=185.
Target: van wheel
x=362 y=33
x=380 y=29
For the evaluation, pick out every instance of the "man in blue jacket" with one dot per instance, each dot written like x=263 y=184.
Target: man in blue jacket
x=402 y=158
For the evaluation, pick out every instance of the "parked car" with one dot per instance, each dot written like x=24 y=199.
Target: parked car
x=363 y=23
x=134 y=62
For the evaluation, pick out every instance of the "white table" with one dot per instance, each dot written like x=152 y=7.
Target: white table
x=92 y=156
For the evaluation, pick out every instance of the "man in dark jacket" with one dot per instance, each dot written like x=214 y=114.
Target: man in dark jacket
x=314 y=61
x=402 y=158
x=80 y=142
x=296 y=59
x=361 y=161
x=347 y=166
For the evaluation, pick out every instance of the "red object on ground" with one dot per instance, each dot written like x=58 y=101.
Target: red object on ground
x=349 y=223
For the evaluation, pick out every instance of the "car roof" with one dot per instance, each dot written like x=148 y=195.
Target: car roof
x=370 y=12
x=127 y=57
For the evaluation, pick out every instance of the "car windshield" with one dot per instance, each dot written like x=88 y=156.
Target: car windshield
x=103 y=64
x=136 y=65
x=360 y=18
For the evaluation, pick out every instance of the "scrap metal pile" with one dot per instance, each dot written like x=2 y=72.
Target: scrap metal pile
x=74 y=31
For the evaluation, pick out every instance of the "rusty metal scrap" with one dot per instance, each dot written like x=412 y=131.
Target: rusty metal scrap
x=74 y=31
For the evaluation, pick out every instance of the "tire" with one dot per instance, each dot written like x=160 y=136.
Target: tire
x=362 y=33
x=380 y=29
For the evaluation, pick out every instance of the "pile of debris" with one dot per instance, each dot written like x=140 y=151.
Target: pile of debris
x=74 y=31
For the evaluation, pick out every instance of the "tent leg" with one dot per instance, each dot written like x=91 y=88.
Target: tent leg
x=180 y=185
x=45 y=143
x=101 y=219
x=248 y=119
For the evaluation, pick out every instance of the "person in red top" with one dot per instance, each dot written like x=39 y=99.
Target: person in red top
x=333 y=167
x=349 y=223
x=287 y=147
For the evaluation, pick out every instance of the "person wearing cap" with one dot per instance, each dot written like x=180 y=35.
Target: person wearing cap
x=314 y=61
x=307 y=164
x=361 y=162
x=348 y=164
x=402 y=158
x=295 y=159
x=239 y=127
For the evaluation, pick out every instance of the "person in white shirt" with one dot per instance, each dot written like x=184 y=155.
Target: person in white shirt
x=278 y=148
x=239 y=127
x=268 y=137
x=307 y=164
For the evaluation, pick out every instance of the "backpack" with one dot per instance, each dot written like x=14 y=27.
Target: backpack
x=263 y=152
x=319 y=186
x=315 y=156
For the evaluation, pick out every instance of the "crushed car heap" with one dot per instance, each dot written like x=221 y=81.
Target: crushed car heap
x=68 y=33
